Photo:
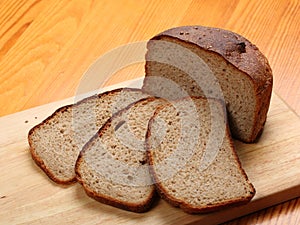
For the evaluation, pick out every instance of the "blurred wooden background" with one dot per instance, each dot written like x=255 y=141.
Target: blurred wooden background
x=46 y=46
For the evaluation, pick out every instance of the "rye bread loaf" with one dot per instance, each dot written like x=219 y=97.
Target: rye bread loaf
x=56 y=142
x=192 y=158
x=112 y=166
x=212 y=62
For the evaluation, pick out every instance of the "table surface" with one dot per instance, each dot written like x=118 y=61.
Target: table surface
x=46 y=46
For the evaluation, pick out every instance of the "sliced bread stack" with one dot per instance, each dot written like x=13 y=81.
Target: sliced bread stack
x=56 y=142
x=194 y=165
x=112 y=167
x=186 y=142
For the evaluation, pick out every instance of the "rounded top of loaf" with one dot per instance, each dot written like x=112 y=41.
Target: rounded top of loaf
x=234 y=48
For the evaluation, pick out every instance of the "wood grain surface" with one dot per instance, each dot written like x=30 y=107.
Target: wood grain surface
x=46 y=46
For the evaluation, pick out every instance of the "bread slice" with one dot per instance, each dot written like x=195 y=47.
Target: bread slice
x=112 y=166
x=212 y=62
x=56 y=142
x=192 y=158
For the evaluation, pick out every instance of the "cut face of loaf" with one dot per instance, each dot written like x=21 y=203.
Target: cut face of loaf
x=56 y=142
x=192 y=159
x=215 y=63
x=112 y=166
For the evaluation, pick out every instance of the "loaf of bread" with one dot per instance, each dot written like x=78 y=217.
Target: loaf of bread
x=112 y=166
x=56 y=142
x=212 y=62
x=192 y=158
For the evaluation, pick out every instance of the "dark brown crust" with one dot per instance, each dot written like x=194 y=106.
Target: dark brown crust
x=38 y=160
x=184 y=206
x=239 y=52
x=139 y=208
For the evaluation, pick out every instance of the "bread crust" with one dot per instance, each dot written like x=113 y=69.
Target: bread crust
x=237 y=51
x=40 y=161
x=139 y=208
x=163 y=193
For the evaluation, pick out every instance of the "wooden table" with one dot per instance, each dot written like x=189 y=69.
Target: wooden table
x=46 y=46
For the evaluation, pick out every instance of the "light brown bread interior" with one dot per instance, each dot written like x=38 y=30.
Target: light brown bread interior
x=56 y=142
x=112 y=166
x=198 y=59
x=194 y=164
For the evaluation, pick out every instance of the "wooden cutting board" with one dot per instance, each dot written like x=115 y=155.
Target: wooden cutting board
x=27 y=196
